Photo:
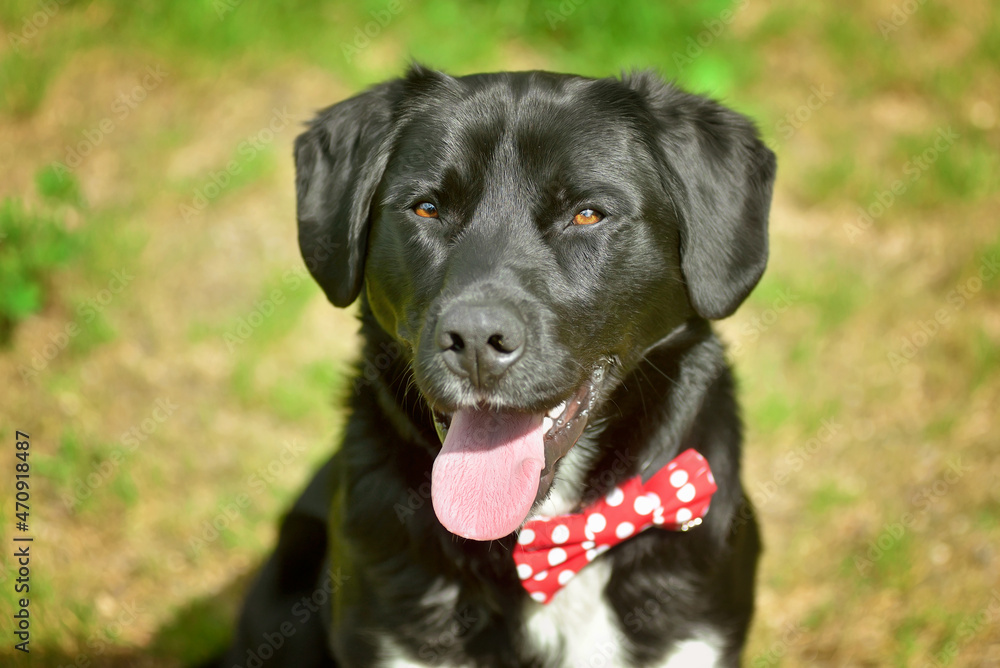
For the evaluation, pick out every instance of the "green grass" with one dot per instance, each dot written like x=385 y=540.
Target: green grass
x=59 y=187
x=60 y=467
x=305 y=391
x=24 y=82
x=773 y=412
x=196 y=37
x=208 y=620
x=276 y=310
x=989 y=254
x=33 y=245
x=246 y=166
x=44 y=262
x=828 y=179
x=985 y=360
x=889 y=98
x=828 y=498
x=696 y=44
x=95 y=329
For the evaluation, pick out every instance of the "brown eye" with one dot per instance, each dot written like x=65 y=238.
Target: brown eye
x=426 y=210
x=587 y=217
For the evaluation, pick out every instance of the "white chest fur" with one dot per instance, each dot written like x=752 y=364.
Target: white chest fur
x=578 y=625
x=579 y=630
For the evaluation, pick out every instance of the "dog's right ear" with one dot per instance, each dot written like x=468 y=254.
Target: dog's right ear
x=339 y=162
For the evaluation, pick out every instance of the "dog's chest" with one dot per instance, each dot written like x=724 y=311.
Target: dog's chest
x=577 y=625
x=578 y=628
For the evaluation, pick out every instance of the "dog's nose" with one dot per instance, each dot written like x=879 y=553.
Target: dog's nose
x=480 y=341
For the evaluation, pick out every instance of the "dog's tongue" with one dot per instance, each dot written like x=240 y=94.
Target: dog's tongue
x=486 y=476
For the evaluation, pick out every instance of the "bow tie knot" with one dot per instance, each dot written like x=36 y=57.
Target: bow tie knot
x=551 y=550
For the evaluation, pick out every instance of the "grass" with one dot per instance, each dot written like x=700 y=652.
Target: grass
x=33 y=245
x=58 y=187
x=196 y=279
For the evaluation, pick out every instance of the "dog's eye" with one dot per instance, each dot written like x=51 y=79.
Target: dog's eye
x=587 y=217
x=426 y=210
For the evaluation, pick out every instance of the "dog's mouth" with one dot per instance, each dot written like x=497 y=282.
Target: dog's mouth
x=495 y=464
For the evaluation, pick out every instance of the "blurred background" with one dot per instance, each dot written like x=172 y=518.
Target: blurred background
x=178 y=373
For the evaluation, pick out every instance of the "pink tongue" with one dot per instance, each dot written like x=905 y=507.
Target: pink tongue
x=486 y=476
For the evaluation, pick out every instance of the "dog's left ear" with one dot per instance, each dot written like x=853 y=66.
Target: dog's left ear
x=339 y=162
x=721 y=176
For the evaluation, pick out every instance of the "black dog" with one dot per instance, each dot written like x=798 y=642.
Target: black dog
x=537 y=257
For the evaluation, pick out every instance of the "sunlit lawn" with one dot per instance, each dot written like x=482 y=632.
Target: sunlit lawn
x=177 y=370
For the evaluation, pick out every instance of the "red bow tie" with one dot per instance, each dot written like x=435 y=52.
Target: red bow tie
x=551 y=550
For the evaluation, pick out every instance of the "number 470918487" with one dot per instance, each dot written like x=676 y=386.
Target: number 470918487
x=23 y=449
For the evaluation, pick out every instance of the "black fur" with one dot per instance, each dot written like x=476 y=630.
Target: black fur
x=685 y=185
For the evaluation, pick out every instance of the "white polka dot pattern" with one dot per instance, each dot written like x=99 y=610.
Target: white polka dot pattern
x=644 y=505
x=596 y=522
x=675 y=498
x=624 y=530
x=615 y=497
x=557 y=555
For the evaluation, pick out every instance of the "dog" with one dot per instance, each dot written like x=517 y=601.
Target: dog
x=537 y=258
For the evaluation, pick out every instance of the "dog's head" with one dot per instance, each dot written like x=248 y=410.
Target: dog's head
x=519 y=233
